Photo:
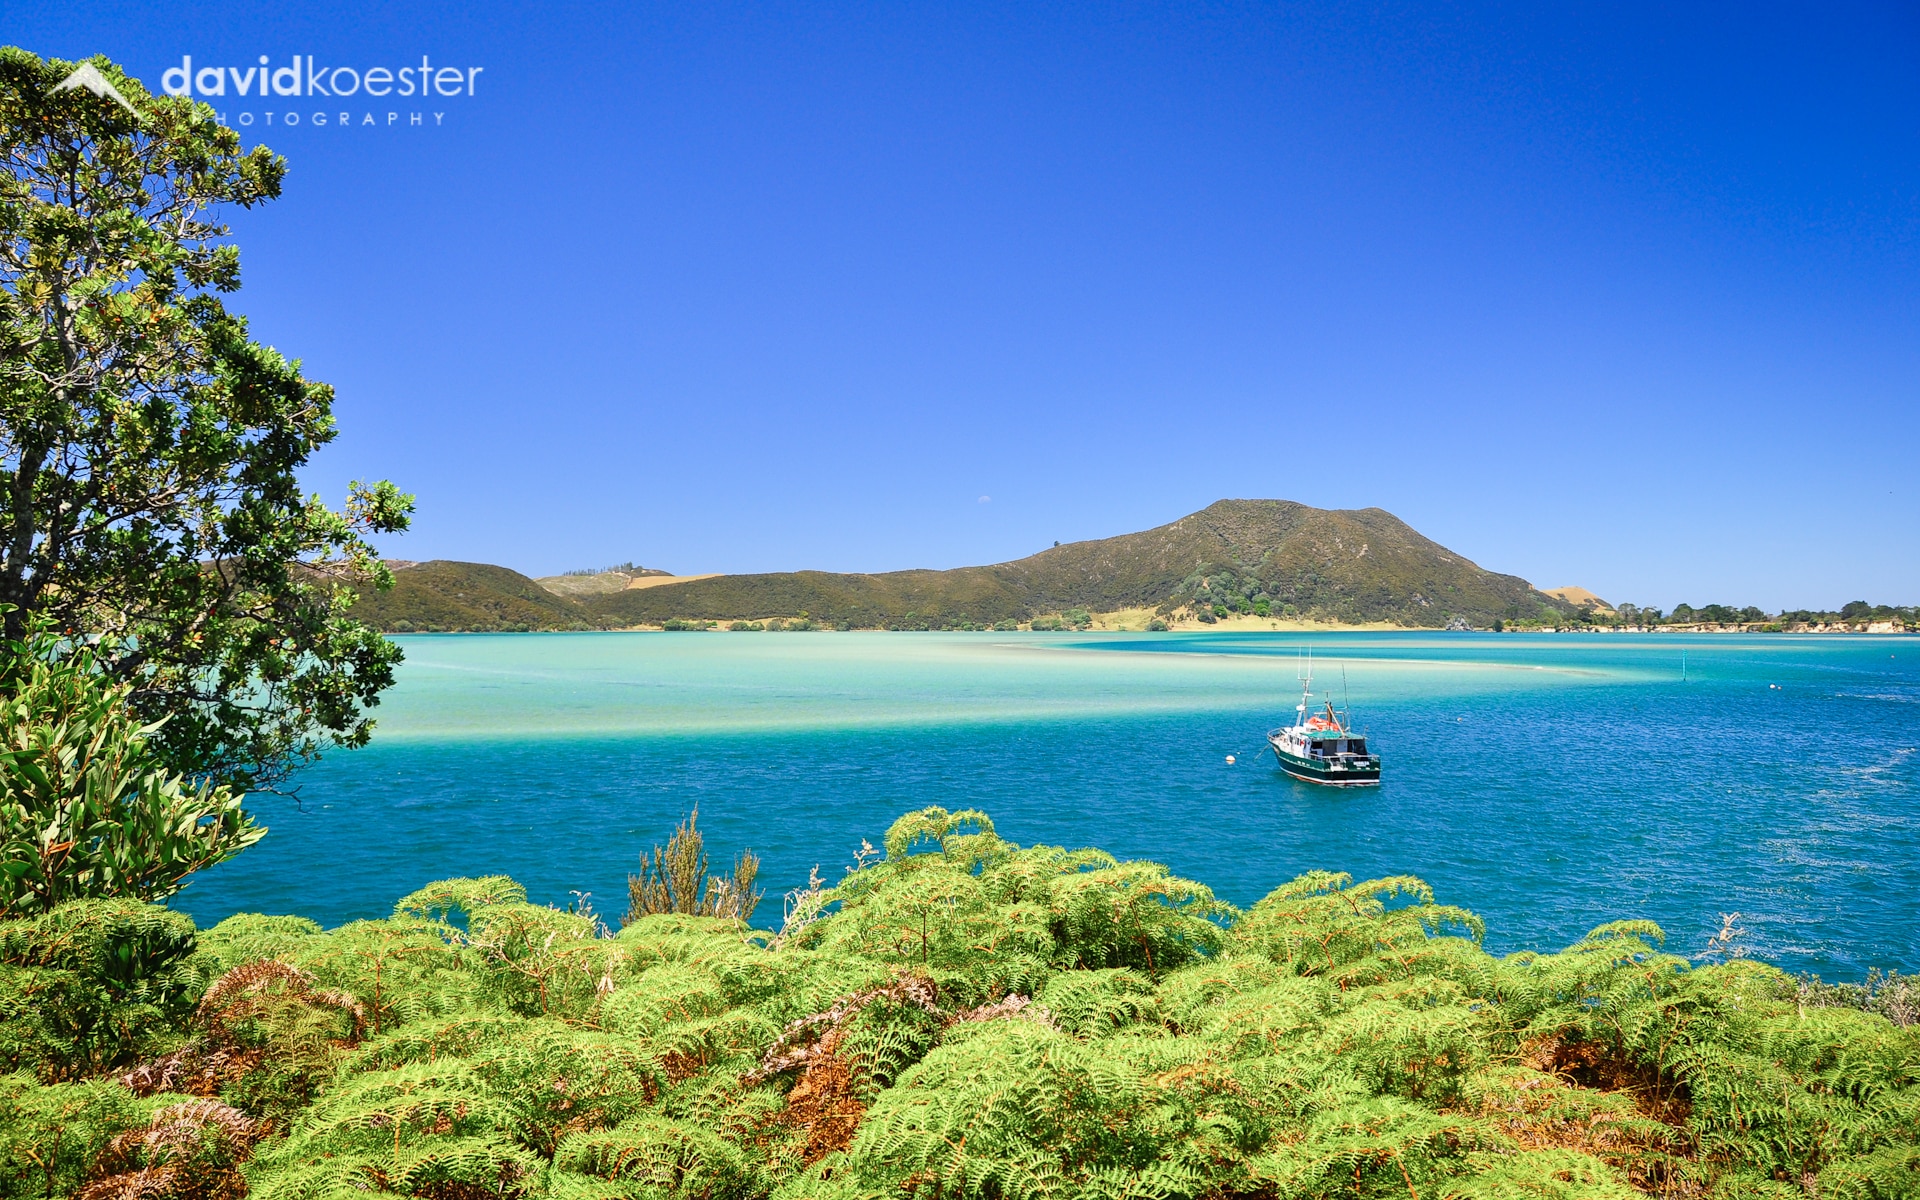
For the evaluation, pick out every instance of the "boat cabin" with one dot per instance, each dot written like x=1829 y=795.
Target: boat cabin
x=1333 y=747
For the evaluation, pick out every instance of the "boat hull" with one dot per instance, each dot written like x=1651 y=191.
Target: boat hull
x=1320 y=771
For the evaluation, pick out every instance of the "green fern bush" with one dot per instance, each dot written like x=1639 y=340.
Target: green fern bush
x=963 y=1019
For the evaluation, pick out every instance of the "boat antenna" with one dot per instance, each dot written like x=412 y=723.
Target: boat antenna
x=1345 y=701
x=1303 y=662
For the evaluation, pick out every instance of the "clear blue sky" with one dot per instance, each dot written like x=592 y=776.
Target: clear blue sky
x=1601 y=294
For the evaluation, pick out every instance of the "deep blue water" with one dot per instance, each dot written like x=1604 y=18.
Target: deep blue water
x=1549 y=783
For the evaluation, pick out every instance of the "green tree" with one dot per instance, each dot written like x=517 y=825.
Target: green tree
x=149 y=446
x=87 y=807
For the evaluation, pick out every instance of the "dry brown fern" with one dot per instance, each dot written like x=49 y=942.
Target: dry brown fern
x=196 y=1069
x=680 y=1065
x=151 y=1183
x=244 y=980
x=1602 y=1068
x=207 y=1064
x=1555 y=1109
x=165 y=1152
x=228 y=996
x=346 y=1003
x=825 y=1102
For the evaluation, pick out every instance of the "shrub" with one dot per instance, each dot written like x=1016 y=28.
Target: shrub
x=52 y=1137
x=1156 y=626
x=675 y=880
x=93 y=984
x=1892 y=995
x=962 y=1017
x=87 y=807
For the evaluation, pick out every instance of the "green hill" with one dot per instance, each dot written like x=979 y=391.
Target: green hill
x=1338 y=565
x=1276 y=556
x=442 y=596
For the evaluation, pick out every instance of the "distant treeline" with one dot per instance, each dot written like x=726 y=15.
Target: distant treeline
x=1857 y=614
x=625 y=568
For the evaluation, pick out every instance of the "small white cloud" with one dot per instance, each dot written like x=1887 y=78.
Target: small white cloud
x=986 y=499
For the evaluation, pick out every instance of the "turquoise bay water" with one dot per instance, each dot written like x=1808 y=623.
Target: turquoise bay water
x=1549 y=783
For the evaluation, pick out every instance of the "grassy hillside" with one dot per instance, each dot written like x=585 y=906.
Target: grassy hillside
x=1353 y=566
x=963 y=1019
x=900 y=599
x=445 y=597
x=595 y=583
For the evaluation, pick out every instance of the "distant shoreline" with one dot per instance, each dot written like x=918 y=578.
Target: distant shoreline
x=1122 y=623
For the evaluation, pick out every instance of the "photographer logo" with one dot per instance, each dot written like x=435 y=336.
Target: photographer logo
x=88 y=76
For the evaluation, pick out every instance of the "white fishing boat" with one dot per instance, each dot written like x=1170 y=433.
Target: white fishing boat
x=1321 y=745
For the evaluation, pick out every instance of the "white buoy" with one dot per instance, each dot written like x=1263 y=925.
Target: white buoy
x=1229 y=760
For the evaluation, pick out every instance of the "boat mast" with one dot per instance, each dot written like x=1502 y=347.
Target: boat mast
x=1306 y=689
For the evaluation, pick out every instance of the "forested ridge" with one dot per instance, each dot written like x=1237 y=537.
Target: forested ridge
x=958 y=1018
x=469 y=597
